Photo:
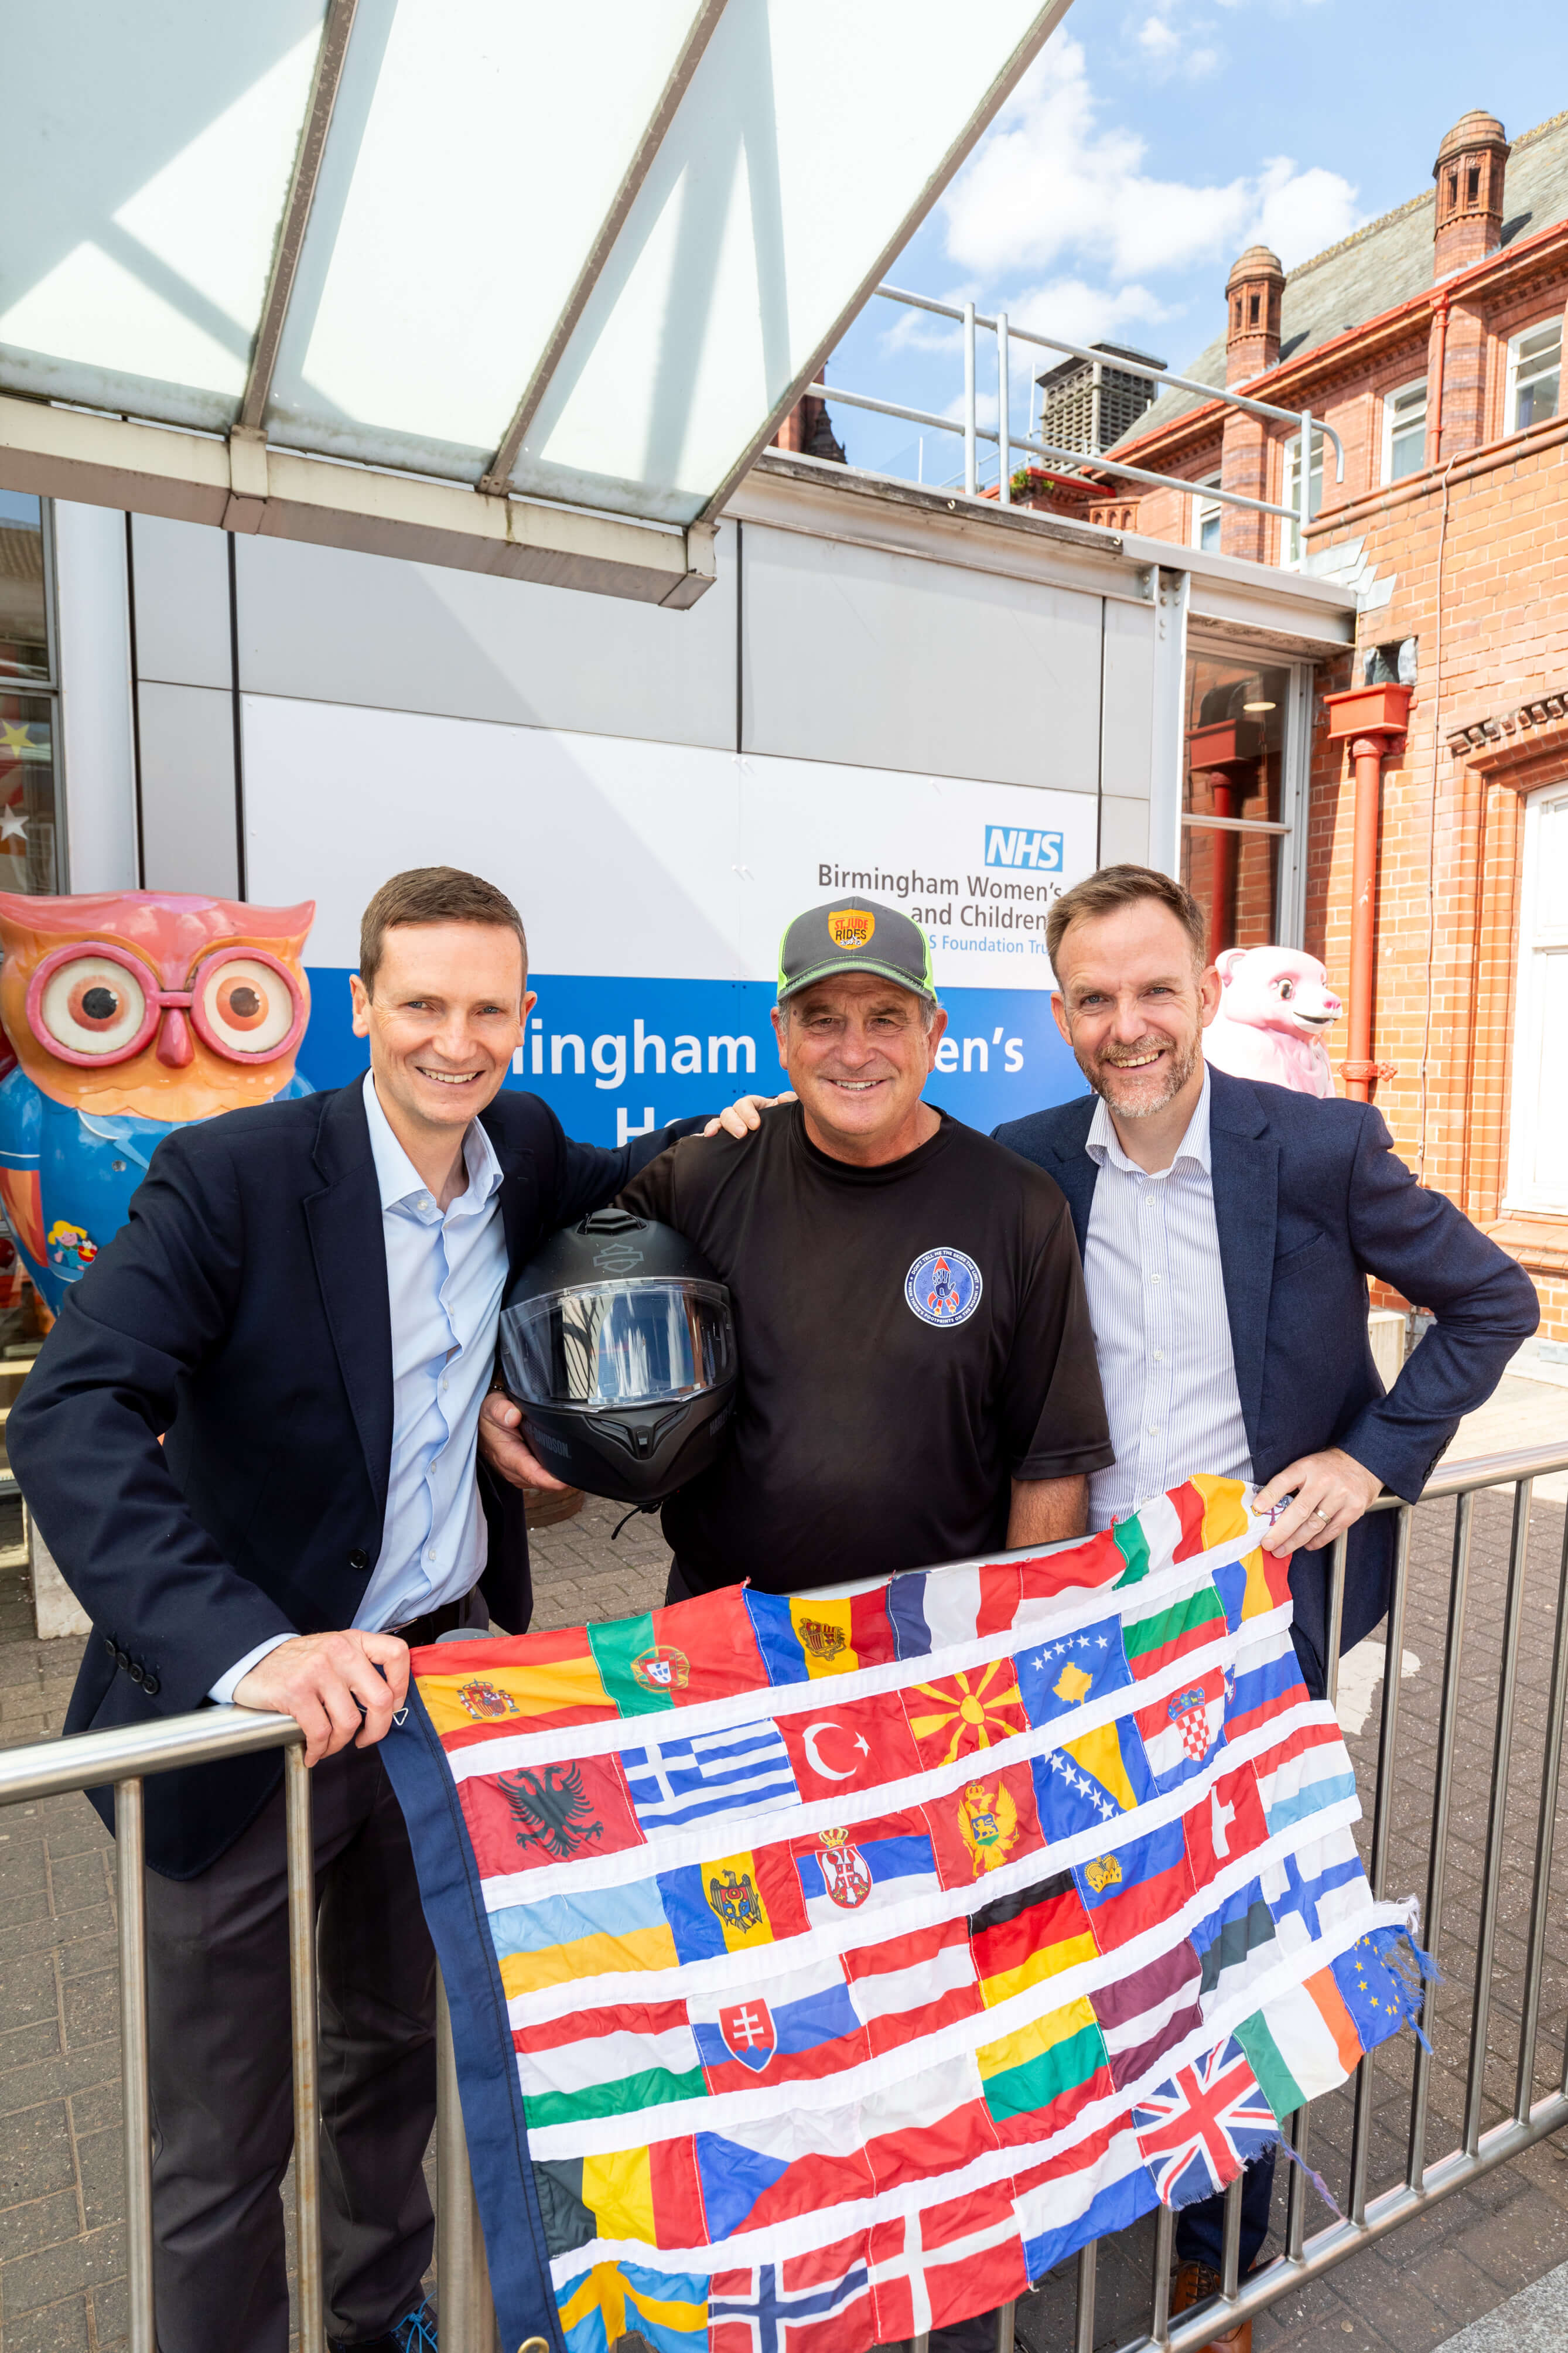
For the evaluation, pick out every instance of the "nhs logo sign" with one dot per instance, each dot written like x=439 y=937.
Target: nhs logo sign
x=1012 y=845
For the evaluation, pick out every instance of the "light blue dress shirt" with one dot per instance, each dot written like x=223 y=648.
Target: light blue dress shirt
x=1155 y=1283
x=446 y=1272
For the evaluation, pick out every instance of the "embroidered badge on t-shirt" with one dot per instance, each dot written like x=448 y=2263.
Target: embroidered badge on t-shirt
x=943 y=1287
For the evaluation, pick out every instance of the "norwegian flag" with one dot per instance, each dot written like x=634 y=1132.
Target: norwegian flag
x=1201 y=2125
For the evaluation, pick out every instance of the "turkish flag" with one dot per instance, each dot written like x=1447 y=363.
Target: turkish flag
x=840 y=1749
x=1226 y=1824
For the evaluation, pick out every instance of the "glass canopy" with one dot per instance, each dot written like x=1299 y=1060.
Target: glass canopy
x=588 y=256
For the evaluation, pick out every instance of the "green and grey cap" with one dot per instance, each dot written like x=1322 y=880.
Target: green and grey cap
x=854 y=936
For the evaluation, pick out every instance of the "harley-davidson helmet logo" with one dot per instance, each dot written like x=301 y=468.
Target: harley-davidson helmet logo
x=851 y=927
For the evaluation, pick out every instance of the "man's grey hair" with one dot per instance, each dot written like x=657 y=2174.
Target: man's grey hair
x=929 y=1006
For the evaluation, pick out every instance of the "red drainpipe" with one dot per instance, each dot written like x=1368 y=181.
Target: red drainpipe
x=1434 y=405
x=1373 y=720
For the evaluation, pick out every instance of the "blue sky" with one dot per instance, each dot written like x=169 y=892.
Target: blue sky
x=1149 y=144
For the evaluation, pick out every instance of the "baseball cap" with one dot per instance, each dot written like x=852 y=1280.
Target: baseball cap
x=854 y=936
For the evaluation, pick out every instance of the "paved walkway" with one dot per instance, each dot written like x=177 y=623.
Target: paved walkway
x=61 y=2245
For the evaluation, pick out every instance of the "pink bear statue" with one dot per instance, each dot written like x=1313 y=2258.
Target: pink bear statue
x=1273 y=1011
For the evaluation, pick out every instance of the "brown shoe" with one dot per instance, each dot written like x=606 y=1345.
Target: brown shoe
x=1193 y=2283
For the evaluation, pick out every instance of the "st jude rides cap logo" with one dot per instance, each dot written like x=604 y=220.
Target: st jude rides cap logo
x=854 y=936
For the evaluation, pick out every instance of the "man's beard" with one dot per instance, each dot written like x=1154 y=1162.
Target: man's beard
x=1177 y=1070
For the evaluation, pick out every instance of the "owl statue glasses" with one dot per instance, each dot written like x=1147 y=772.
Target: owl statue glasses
x=127 y=1014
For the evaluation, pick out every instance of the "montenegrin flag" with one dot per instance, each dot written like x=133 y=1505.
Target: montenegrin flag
x=824 y=1970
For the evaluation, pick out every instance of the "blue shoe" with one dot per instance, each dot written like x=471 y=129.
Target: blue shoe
x=415 y=2333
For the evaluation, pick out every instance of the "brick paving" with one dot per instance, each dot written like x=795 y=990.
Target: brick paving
x=61 y=2251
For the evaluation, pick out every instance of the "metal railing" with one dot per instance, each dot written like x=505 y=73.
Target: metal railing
x=1083 y=461
x=125 y=1757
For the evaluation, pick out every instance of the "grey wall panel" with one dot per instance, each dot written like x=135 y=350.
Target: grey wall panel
x=95 y=698
x=1123 y=831
x=332 y=626
x=182 y=602
x=886 y=660
x=189 y=838
x=1129 y=698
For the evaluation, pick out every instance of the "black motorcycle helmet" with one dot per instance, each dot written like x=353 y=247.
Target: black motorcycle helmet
x=618 y=1342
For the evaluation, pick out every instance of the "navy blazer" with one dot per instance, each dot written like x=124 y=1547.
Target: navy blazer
x=243 y=1311
x=1309 y=1199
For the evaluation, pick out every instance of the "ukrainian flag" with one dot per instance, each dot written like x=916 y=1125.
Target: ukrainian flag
x=598 y=1933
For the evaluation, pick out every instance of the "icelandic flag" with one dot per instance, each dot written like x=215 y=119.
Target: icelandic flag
x=784 y=2028
x=745 y=1768
x=1201 y=2125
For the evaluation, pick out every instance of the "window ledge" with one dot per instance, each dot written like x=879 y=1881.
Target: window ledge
x=1538 y=1238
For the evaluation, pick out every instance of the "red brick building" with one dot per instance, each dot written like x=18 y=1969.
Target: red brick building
x=1431 y=342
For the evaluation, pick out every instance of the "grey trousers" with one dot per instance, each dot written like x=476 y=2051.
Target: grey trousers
x=222 y=2058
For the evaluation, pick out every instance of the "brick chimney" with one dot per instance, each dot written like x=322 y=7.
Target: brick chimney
x=1253 y=292
x=1467 y=222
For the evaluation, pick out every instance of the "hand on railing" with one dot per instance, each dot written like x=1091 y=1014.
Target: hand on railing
x=337 y=1687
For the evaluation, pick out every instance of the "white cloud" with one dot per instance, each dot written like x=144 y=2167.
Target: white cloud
x=1166 y=51
x=1082 y=314
x=1049 y=184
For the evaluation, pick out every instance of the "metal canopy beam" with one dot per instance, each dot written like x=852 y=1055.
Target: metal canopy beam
x=498 y=473
x=295 y=214
x=75 y=453
x=1003 y=84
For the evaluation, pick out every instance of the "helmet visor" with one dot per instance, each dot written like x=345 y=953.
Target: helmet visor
x=636 y=1342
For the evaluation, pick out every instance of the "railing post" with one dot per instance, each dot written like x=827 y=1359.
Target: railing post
x=970 y=471
x=130 y=1892
x=1004 y=420
x=462 y=2273
x=1304 y=489
x=301 y=1850
x=1497 y=1814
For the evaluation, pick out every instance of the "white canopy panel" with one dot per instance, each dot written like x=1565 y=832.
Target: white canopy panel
x=587 y=256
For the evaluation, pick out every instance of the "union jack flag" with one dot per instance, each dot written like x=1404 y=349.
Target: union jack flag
x=1201 y=2125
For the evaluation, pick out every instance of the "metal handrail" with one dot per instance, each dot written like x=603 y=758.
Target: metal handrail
x=1007 y=440
x=125 y=1756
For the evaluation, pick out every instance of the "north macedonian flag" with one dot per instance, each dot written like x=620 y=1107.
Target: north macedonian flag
x=824 y=1970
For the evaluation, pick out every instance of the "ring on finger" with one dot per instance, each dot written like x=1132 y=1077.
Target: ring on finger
x=1322 y=1516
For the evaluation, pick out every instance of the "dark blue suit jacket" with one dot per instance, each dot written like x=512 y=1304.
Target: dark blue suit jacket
x=243 y=1311
x=1309 y=1200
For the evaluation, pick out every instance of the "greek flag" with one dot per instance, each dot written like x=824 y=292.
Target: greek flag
x=746 y=1767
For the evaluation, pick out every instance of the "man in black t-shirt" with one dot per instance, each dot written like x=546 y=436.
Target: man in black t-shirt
x=918 y=1378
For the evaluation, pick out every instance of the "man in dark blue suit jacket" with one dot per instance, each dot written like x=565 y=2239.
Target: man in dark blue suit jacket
x=249 y=1443
x=1239 y=1223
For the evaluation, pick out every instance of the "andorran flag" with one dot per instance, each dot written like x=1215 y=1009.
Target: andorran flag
x=824 y=1970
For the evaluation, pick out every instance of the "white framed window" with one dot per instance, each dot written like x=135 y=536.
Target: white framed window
x=1208 y=515
x=1534 y=376
x=1404 y=431
x=1289 y=535
x=1538 y=1135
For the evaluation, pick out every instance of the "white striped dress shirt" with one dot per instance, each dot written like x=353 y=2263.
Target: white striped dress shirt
x=1156 y=1299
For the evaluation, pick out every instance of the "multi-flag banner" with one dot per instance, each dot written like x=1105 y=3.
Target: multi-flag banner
x=825 y=1970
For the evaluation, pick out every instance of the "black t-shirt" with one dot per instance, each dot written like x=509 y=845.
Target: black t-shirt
x=911 y=1337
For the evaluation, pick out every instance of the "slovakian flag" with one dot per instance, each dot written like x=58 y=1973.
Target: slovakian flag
x=825 y=1967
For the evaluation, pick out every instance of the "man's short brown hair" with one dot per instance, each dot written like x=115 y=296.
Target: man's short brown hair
x=1122 y=886
x=433 y=895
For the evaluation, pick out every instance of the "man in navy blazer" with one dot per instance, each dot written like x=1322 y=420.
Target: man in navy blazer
x=250 y=1441
x=1227 y=1230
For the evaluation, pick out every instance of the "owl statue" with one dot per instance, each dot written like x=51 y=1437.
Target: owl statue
x=128 y=1013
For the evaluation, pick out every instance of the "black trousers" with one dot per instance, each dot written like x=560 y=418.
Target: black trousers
x=222 y=2046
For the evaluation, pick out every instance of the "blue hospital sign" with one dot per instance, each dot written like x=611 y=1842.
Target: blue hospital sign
x=655 y=881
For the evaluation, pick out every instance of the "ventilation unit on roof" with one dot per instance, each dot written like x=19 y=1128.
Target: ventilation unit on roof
x=1076 y=415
